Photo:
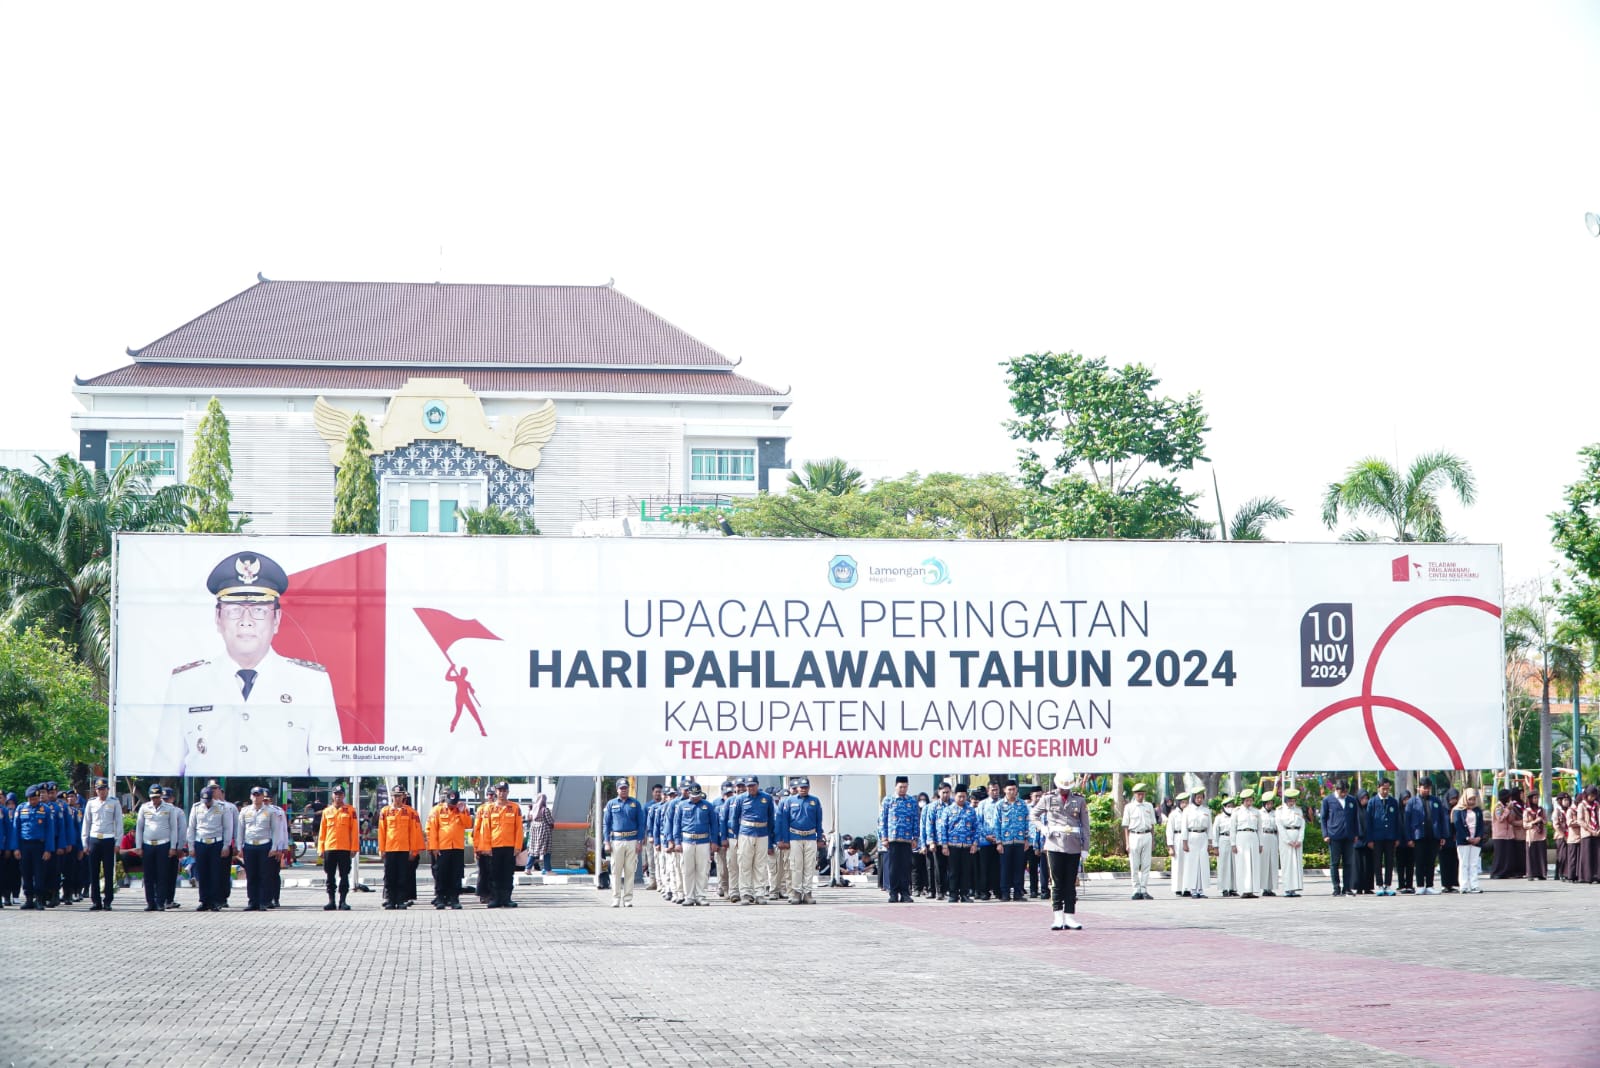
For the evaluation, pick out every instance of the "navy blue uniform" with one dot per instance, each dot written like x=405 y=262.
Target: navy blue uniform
x=36 y=837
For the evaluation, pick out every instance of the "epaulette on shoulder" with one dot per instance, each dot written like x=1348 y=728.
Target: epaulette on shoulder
x=312 y=664
x=186 y=667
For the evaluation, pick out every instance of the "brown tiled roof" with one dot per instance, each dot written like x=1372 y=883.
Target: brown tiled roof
x=201 y=377
x=410 y=323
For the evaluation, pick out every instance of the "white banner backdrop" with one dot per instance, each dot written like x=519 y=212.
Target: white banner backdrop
x=589 y=656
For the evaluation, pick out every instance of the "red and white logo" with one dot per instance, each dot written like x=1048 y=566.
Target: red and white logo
x=1401 y=568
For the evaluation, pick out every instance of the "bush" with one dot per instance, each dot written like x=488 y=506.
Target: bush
x=1101 y=863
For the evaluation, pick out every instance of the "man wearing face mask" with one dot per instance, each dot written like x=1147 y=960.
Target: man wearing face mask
x=250 y=710
x=212 y=830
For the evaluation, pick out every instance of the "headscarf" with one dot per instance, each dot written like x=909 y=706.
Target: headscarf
x=541 y=807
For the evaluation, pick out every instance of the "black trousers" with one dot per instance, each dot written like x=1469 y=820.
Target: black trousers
x=897 y=863
x=485 y=878
x=208 y=873
x=1032 y=863
x=336 y=862
x=158 y=860
x=10 y=877
x=169 y=884
x=1405 y=863
x=274 y=878
x=32 y=865
x=1383 y=861
x=988 y=877
x=258 y=874
x=938 y=873
x=919 y=872
x=396 y=871
x=504 y=863
x=1342 y=854
x=1064 y=881
x=447 y=868
x=1424 y=851
x=1011 y=871
x=962 y=860
x=102 y=869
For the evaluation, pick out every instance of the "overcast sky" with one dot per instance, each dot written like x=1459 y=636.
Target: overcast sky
x=1355 y=232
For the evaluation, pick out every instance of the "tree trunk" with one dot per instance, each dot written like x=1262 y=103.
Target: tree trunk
x=1116 y=793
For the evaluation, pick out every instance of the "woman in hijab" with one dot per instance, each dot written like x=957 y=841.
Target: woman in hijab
x=1503 y=834
x=1469 y=832
x=541 y=829
x=1449 y=860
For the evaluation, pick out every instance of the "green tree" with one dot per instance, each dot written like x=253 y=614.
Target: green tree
x=355 y=490
x=1577 y=536
x=211 y=474
x=1249 y=523
x=49 y=711
x=493 y=519
x=56 y=528
x=938 y=505
x=1534 y=635
x=1117 y=445
x=1407 y=504
x=833 y=476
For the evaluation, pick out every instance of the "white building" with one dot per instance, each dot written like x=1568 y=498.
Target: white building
x=567 y=403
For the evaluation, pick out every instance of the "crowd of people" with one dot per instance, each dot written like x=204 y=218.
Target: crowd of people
x=959 y=846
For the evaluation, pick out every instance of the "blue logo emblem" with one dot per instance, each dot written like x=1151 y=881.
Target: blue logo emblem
x=938 y=574
x=842 y=572
x=435 y=416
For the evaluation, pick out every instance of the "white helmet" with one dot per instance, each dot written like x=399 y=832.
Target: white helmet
x=1065 y=779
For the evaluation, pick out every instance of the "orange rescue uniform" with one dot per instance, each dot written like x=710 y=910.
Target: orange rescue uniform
x=498 y=825
x=447 y=827
x=399 y=830
x=339 y=829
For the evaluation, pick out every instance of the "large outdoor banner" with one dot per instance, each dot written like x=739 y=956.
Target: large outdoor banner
x=332 y=655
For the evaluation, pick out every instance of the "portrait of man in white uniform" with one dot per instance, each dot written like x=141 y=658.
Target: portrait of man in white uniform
x=248 y=710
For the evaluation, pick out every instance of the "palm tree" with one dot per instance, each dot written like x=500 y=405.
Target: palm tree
x=1250 y=521
x=493 y=519
x=1409 y=503
x=55 y=545
x=1533 y=633
x=832 y=476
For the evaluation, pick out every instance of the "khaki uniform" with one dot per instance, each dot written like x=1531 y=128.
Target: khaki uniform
x=1139 y=819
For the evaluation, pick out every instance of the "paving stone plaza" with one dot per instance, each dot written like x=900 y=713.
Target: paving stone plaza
x=1505 y=978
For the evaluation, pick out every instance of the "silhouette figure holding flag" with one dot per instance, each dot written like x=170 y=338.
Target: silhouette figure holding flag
x=464 y=697
x=445 y=630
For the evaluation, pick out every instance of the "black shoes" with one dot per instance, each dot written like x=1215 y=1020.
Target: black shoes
x=329 y=907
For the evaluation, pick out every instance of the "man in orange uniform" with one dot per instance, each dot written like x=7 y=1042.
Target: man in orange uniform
x=399 y=843
x=447 y=837
x=337 y=844
x=498 y=833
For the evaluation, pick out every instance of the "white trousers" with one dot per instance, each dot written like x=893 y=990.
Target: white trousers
x=1269 y=863
x=1246 y=863
x=624 y=855
x=1196 y=862
x=752 y=855
x=802 y=858
x=1139 y=860
x=1175 y=858
x=1471 y=858
x=696 y=867
x=1292 y=866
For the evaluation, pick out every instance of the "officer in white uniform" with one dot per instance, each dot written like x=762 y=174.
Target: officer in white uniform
x=1247 y=846
x=1138 y=834
x=1175 y=838
x=1222 y=841
x=1267 y=873
x=1291 y=842
x=250 y=710
x=1196 y=844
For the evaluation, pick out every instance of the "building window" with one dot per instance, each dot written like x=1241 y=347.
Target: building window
x=428 y=505
x=164 y=454
x=722 y=465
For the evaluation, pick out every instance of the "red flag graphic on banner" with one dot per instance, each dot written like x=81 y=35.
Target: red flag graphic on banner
x=333 y=615
x=446 y=630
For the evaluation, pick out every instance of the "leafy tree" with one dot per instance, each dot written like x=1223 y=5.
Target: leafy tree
x=938 y=505
x=1561 y=728
x=1117 y=445
x=211 y=475
x=1249 y=523
x=355 y=489
x=494 y=519
x=1406 y=503
x=1534 y=636
x=55 y=546
x=49 y=711
x=1577 y=536
x=833 y=476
